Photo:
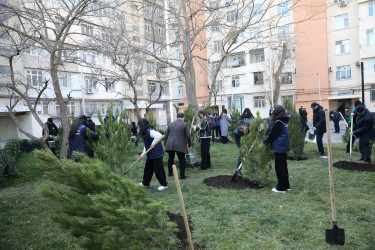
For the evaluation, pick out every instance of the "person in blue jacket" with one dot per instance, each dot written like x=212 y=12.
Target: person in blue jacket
x=52 y=131
x=336 y=121
x=78 y=137
x=279 y=139
x=154 y=162
x=216 y=125
x=365 y=132
x=238 y=133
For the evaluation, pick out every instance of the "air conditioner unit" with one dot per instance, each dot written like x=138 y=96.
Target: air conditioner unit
x=343 y=2
x=329 y=69
x=89 y=91
x=357 y=64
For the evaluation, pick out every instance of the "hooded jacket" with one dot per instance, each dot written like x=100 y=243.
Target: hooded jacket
x=319 y=120
x=279 y=136
x=79 y=142
x=365 y=127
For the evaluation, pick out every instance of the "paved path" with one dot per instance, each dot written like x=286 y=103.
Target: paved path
x=335 y=138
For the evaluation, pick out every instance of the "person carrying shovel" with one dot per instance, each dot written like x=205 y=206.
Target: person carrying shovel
x=238 y=133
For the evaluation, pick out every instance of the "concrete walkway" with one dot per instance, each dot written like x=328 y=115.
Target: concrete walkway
x=335 y=138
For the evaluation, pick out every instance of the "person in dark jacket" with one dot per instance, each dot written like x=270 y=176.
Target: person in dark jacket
x=238 y=133
x=78 y=137
x=246 y=116
x=134 y=132
x=319 y=125
x=279 y=139
x=52 y=131
x=356 y=104
x=177 y=140
x=304 y=115
x=269 y=125
x=365 y=132
x=336 y=121
x=154 y=162
x=216 y=125
x=224 y=126
x=90 y=124
x=205 y=136
x=347 y=114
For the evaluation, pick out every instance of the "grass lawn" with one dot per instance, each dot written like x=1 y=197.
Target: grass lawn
x=222 y=219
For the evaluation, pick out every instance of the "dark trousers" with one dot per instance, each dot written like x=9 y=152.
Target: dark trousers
x=224 y=139
x=348 y=145
x=218 y=132
x=337 y=126
x=319 y=142
x=365 y=149
x=205 y=153
x=181 y=161
x=282 y=174
x=151 y=166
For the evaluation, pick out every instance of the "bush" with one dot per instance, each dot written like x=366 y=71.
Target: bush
x=256 y=163
x=151 y=119
x=107 y=210
x=235 y=116
x=28 y=146
x=8 y=156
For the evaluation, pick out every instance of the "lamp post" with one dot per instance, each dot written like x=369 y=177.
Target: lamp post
x=271 y=82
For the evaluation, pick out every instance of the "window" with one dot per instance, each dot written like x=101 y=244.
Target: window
x=218 y=85
x=232 y=15
x=286 y=78
x=88 y=57
x=160 y=31
x=33 y=50
x=178 y=53
x=180 y=90
x=3 y=35
x=160 y=70
x=147 y=26
x=372 y=93
x=217 y=46
x=34 y=77
x=87 y=29
x=109 y=84
x=257 y=55
x=42 y=108
x=102 y=109
x=371 y=8
x=150 y=67
x=65 y=80
x=214 y=66
x=239 y=38
x=255 y=33
x=163 y=87
x=343 y=72
x=148 y=47
x=282 y=9
x=90 y=82
x=370 y=37
x=151 y=87
x=215 y=28
x=342 y=47
x=136 y=39
x=107 y=36
x=5 y=70
x=115 y=107
x=237 y=102
x=161 y=51
x=283 y=32
x=214 y=4
x=135 y=28
x=107 y=61
x=91 y=108
x=70 y=108
x=235 y=81
x=236 y=60
x=284 y=98
x=259 y=102
x=179 y=75
x=341 y=21
x=258 y=78
x=255 y=10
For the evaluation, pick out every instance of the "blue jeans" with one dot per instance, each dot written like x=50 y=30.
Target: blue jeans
x=239 y=159
x=319 y=141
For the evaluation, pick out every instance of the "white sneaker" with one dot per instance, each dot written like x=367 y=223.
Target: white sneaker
x=288 y=189
x=141 y=184
x=162 y=188
x=277 y=191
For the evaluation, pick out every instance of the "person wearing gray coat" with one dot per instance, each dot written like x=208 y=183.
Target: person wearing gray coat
x=224 y=125
x=177 y=139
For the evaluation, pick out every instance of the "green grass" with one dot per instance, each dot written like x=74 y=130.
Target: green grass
x=222 y=219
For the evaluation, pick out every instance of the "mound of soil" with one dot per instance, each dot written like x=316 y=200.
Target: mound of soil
x=292 y=158
x=354 y=166
x=179 y=219
x=224 y=181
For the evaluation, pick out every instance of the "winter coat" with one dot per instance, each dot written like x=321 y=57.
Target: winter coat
x=177 y=137
x=279 y=136
x=52 y=129
x=246 y=120
x=216 y=122
x=365 y=127
x=79 y=142
x=319 y=120
x=204 y=129
x=336 y=117
x=157 y=152
x=91 y=125
x=224 y=124
x=237 y=137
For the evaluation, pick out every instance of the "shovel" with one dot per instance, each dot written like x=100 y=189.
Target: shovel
x=335 y=235
x=238 y=171
x=351 y=137
x=142 y=155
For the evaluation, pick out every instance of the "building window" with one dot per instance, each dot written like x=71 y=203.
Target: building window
x=65 y=80
x=115 y=107
x=107 y=61
x=236 y=60
x=160 y=70
x=180 y=90
x=373 y=65
x=3 y=35
x=237 y=102
x=259 y=102
x=341 y=21
x=90 y=82
x=342 y=47
x=163 y=87
x=255 y=10
x=240 y=37
x=232 y=15
x=217 y=46
x=343 y=72
x=370 y=37
x=33 y=50
x=160 y=31
x=109 y=84
x=282 y=9
x=88 y=57
x=283 y=32
x=5 y=70
x=258 y=78
x=179 y=75
x=150 y=67
x=70 y=108
x=147 y=26
x=257 y=55
x=215 y=28
x=136 y=39
x=286 y=78
x=372 y=93
x=87 y=29
x=371 y=8
x=218 y=85
x=91 y=108
x=235 y=81
x=178 y=53
x=255 y=33
x=42 y=108
x=151 y=86
x=34 y=77
x=214 y=66
x=102 y=109
x=284 y=98
x=107 y=36
x=135 y=28
x=213 y=5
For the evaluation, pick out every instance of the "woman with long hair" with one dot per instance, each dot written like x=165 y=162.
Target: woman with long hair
x=279 y=139
x=224 y=125
x=78 y=137
x=134 y=132
x=154 y=162
x=205 y=135
x=246 y=116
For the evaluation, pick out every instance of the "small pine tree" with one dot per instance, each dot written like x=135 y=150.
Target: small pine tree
x=288 y=106
x=113 y=141
x=235 y=116
x=152 y=120
x=256 y=164
x=107 y=210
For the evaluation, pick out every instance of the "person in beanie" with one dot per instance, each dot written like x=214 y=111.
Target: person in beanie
x=205 y=135
x=319 y=126
x=90 y=124
x=177 y=139
x=336 y=121
x=52 y=131
x=279 y=139
x=154 y=162
x=365 y=132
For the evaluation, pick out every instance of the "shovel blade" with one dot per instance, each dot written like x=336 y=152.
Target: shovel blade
x=234 y=177
x=335 y=236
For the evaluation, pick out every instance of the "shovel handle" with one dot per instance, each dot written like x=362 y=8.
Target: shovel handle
x=351 y=137
x=175 y=174
x=343 y=119
x=330 y=168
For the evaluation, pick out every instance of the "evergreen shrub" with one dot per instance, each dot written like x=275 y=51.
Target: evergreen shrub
x=235 y=115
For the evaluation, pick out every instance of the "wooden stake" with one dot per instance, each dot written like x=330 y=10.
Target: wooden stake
x=175 y=174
